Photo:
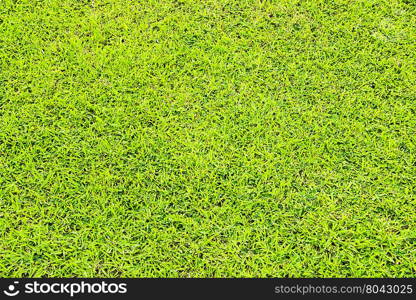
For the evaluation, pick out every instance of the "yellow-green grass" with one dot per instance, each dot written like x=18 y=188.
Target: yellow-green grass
x=211 y=138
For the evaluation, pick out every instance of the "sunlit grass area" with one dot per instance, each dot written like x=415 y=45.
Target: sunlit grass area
x=212 y=138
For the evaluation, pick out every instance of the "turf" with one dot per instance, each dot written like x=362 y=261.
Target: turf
x=212 y=138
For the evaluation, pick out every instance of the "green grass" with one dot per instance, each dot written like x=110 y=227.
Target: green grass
x=212 y=138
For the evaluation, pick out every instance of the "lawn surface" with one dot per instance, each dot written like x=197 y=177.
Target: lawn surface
x=210 y=138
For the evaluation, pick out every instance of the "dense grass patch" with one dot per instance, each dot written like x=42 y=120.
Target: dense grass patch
x=207 y=138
